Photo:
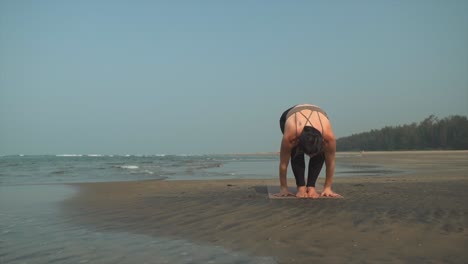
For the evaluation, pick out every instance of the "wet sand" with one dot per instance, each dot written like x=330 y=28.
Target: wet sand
x=417 y=216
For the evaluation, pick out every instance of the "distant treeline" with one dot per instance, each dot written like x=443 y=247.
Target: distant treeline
x=430 y=134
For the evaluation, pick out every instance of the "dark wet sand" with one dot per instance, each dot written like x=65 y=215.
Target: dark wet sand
x=415 y=217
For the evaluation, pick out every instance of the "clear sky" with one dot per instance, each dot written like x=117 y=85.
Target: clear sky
x=202 y=77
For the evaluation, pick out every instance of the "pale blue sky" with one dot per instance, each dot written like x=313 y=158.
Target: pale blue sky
x=200 y=77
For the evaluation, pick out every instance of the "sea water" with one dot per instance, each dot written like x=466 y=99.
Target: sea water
x=34 y=230
x=76 y=168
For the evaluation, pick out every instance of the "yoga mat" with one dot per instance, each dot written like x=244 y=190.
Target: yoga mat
x=274 y=189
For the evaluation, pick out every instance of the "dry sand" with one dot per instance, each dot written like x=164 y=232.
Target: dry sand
x=414 y=217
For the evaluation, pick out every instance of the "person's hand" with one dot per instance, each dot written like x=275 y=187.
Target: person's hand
x=284 y=192
x=327 y=192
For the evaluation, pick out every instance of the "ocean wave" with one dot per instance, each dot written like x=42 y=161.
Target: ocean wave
x=128 y=167
x=69 y=155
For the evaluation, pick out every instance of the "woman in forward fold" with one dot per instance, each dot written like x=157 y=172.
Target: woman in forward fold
x=306 y=130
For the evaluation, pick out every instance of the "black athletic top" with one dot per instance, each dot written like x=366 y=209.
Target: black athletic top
x=312 y=108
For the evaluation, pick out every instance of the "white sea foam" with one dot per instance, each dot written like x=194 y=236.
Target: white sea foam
x=68 y=155
x=94 y=155
x=129 y=167
x=187 y=155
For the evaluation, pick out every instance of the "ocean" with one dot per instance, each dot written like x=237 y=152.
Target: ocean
x=33 y=229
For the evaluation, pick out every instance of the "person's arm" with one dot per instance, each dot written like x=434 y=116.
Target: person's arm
x=330 y=163
x=285 y=153
x=330 y=150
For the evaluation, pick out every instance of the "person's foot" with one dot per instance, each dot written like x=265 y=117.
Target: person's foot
x=312 y=193
x=301 y=192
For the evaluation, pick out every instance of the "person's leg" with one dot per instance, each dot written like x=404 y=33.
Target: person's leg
x=315 y=166
x=298 y=168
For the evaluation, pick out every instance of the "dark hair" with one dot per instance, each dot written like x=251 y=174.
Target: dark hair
x=310 y=141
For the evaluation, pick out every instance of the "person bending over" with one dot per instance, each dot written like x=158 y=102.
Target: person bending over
x=306 y=130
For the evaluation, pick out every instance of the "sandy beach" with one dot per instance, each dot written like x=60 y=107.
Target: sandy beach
x=416 y=216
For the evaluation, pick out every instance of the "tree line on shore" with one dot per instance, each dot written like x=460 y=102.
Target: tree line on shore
x=449 y=133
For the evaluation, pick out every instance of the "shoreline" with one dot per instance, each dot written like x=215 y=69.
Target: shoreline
x=420 y=216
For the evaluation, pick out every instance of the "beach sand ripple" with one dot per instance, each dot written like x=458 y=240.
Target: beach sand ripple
x=418 y=217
